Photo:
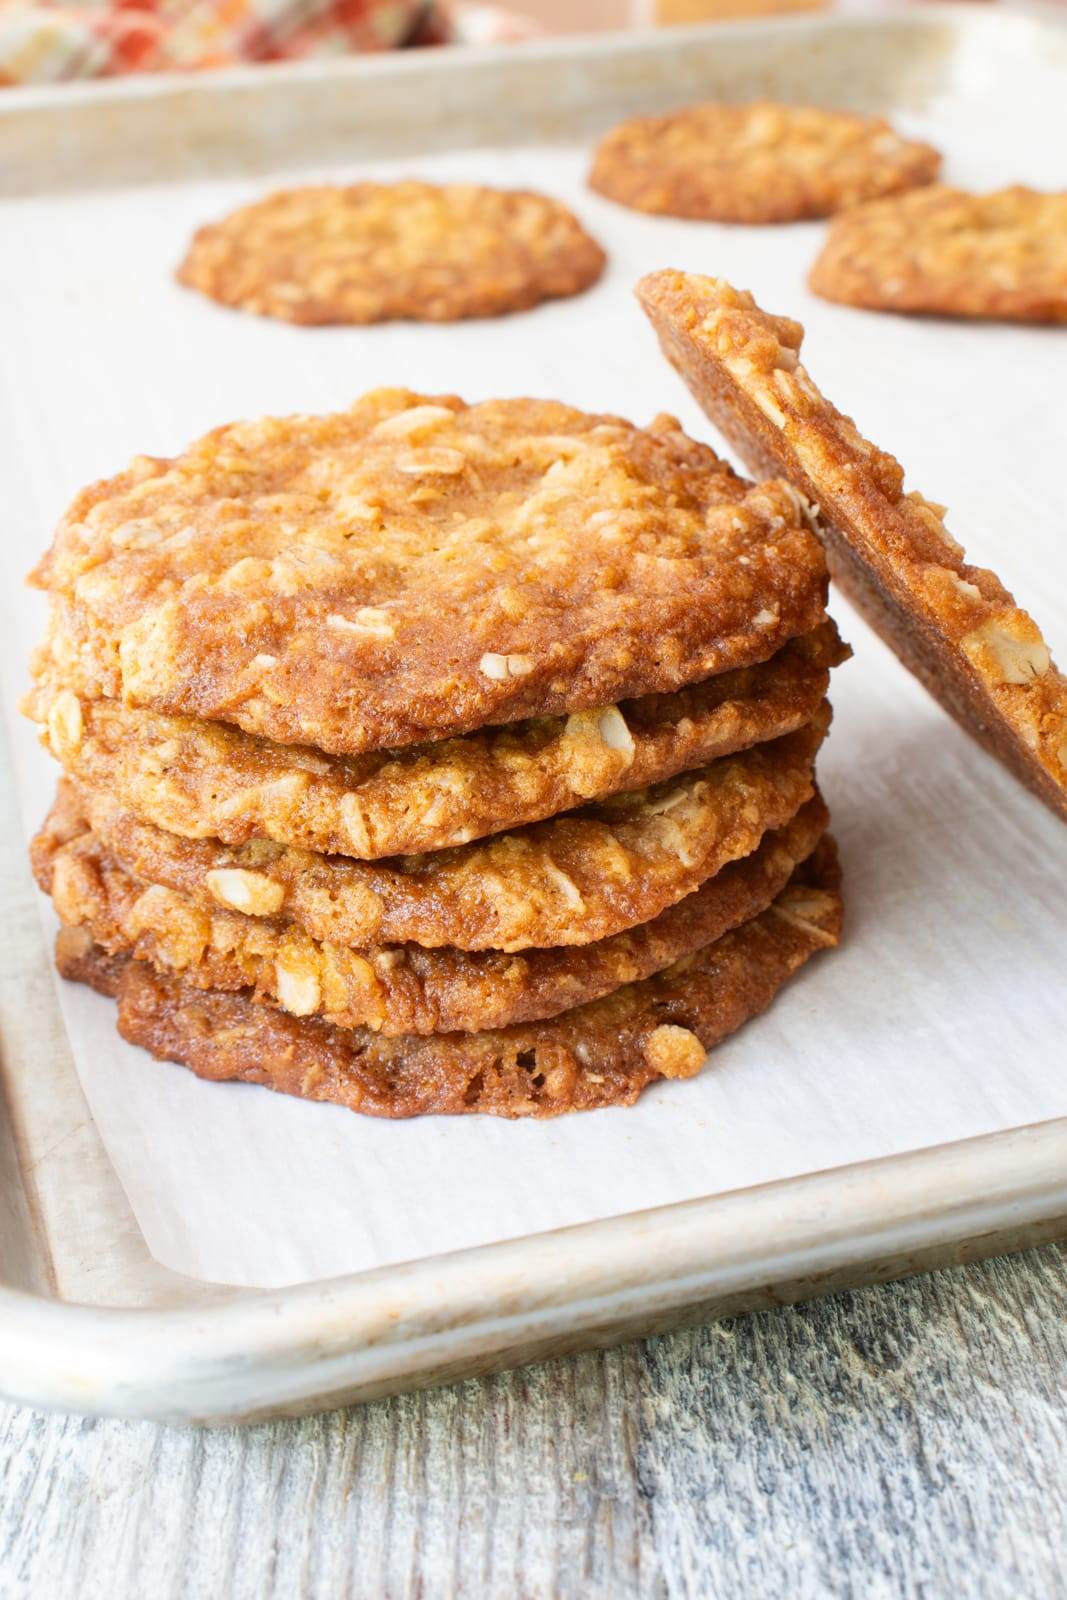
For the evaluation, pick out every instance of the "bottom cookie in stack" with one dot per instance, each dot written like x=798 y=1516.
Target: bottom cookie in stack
x=600 y=1054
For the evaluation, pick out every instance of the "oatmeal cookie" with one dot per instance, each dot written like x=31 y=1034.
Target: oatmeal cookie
x=954 y=254
x=755 y=163
x=417 y=568
x=397 y=989
x=208 y=780
x=570 y=880
x=954 y=625
x=597 y=1055
x=375 y=252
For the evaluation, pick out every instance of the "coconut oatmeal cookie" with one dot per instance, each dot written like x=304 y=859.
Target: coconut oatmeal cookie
x=952 y=254
x=761 y=162
x=375 y=252
x=568 y=880
x=208 y=780
x=415 y=568
x=405 y=988
x=954 y=625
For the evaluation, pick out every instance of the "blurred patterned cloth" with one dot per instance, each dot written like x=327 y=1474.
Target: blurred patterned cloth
x=52 y=41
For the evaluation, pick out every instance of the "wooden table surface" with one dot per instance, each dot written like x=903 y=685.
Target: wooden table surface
x=904 y=1440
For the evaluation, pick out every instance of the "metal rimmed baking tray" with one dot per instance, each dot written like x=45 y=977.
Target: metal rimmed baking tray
x=89 y=1317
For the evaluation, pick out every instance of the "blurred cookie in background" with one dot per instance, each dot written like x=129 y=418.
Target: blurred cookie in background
x=953 y=254
x=754 y=163
x=374 y=252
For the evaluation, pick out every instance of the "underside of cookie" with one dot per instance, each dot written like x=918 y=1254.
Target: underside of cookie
x=597 y=1055
x=954 y=625
x=374 y=252
x=953 y=254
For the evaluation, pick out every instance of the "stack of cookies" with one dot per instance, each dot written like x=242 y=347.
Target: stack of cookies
x=434 y=757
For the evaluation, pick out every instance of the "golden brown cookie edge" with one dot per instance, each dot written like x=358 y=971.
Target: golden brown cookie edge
x=526 y=1071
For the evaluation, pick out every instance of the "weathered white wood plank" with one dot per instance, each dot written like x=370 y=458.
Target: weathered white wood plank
x=907 y=1440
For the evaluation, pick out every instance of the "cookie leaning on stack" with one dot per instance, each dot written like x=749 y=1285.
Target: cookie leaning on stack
x=434 y=757
x=954 y=625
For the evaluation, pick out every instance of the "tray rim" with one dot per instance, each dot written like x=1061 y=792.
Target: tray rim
x=261 y=1353
x=640 y=40
x=234 y=1354
x=57 y=134
x=637 y=41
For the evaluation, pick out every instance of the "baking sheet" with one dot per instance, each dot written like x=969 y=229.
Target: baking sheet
x=943 y=1015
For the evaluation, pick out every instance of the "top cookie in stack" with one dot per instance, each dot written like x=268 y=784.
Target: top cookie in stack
x=437 y=757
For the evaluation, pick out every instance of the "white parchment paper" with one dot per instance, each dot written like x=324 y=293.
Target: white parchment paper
x=943 y=1015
